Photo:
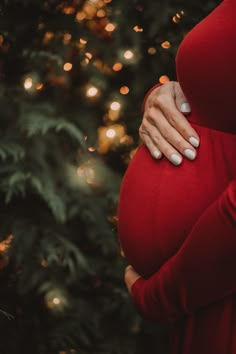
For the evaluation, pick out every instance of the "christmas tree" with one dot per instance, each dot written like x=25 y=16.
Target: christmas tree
x=72 y=73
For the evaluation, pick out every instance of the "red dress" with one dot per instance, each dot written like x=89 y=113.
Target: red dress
x=177 y=225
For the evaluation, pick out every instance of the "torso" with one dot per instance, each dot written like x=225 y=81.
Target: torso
x=159 y=202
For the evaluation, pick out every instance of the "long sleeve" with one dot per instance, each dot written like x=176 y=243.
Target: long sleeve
x=203 y=270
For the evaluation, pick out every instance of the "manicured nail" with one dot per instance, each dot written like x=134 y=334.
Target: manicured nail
x=185 y=107
x=190 y=154
x=194 y=141
x=156 y=154
x=175 y=159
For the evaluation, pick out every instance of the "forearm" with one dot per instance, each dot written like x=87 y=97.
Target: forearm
x=202 y=271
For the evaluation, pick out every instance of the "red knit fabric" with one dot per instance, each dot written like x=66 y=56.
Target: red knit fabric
x=177 y=225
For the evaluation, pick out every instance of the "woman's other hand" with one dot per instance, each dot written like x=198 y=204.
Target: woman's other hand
x=164 y=129
x=130 y=277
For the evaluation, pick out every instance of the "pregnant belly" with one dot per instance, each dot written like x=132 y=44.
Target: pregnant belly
x=159 y=203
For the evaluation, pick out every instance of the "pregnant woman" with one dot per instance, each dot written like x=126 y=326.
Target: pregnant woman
x=177 y=223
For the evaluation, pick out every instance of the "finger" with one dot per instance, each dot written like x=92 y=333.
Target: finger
x=176 y=119
x=155 y=152
x=168 y=140
x=185 y=107
x=122 y=253
x=128 y=268
x=167 y=149
x=130 y=277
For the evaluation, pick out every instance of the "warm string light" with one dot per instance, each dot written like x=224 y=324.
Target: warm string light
x=32 y=83
x=138 y=29
x=166 y=45
x=48 y=36
x=88 y=55
x=111 y=133
x=67 y=38
x=128 y=54
x=39 y=86
x=117 y=67
x=1 y=40
x=110 y=27
x=56 y=300
x=164 y=79
x=83 y=41
x=5 y=244
x=4 y=248
x=69 y=10
x=115 y=106
x=101 y=13
x=124 y=90
x=67 y=66
x=92 y=91
x=84 y=62
x=28 y=83
x=91 y=149
x=152 y=51
x=80 y=16
x=87 y=173
x=114 y=111
x=177 y=18
x=89 y=10
x=112 y=137
x=91 y=174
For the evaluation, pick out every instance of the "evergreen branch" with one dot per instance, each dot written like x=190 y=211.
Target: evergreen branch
x=44 y=187
x=8 y=315
x=9 y=149
x=15 y=185
x=37 y=122
x=65 y=253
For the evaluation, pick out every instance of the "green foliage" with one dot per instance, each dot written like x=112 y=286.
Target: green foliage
x=11 y=150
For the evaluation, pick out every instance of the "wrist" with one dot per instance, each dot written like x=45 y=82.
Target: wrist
x=147 y=95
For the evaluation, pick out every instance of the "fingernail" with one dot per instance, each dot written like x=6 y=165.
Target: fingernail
x=194 y=141
x=156 y=154
x=190 y=154
x=185 y=107
x=175 y=159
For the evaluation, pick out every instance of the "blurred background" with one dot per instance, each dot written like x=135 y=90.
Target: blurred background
x=73 y=75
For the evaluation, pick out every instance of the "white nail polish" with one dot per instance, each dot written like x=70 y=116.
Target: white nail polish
x=175 y=159
x=190 y=154
x=156 y=154
x=194 y=141
x=185 y=107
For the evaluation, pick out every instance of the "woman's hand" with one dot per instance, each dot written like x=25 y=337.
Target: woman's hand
x=130 y=277
x=164 y=129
